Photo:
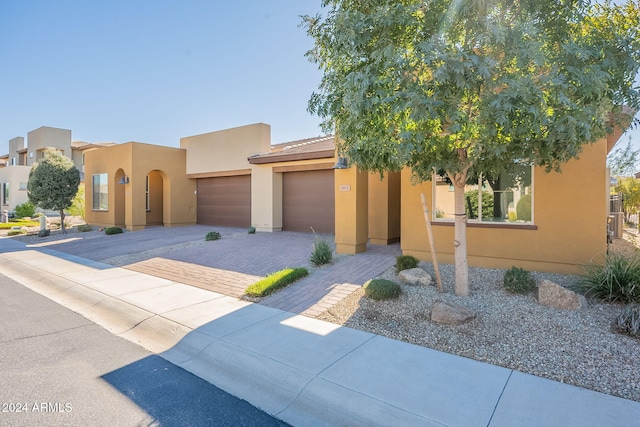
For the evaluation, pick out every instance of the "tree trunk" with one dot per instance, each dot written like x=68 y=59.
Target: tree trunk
x=64 y=231
x=460 y=237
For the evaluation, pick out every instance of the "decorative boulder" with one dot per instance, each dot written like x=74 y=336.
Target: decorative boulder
x=553 y=295
x=415 y=276
x=450 y=314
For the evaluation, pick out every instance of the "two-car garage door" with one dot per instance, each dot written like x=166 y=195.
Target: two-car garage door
x=307 y=201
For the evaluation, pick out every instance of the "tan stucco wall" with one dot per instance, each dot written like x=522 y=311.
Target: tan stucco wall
x=225 y=150
x=569 y=211
x=351 y=210
x=137 y=160
x=14 y=175
x=45 y=137
x=384 y=208
x=15 y=145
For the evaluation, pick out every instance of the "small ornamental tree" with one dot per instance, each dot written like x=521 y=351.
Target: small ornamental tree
x=472 y=87
x=53 y=183
x=629 y=187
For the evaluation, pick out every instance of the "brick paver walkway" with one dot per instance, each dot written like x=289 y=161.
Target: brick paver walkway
x=316 y=293
x=229 y=265
x=225 y=282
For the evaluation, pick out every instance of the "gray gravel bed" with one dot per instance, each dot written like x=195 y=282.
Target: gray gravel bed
x=513 y=331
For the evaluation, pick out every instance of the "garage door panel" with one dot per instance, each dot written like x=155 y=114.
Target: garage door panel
x=308 y=201
x=225 y=201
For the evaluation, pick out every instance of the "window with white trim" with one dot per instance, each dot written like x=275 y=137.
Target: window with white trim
x=5 y=193
x=100 y=191
x=503 y=197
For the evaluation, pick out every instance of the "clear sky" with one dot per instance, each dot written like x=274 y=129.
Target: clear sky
x=156 y=70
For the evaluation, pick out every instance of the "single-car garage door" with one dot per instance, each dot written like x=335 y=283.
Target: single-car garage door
x=225 y=201
x=308 y=201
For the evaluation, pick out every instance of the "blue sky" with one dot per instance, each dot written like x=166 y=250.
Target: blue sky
x=156 y=70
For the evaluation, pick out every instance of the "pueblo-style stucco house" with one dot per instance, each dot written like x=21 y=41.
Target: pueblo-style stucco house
x=16 y=165
x=541 y=221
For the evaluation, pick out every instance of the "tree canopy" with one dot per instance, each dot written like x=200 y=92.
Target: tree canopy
x=53 y=183
x=472 y=86
x=623 y=161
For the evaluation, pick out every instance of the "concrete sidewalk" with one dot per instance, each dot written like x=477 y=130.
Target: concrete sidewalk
x=304 y=371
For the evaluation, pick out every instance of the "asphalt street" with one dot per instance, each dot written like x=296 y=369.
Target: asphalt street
x=58 y=368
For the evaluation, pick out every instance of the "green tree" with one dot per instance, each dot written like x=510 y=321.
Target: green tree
x=471 y=86
x=77 y=204
x=630 y=189
x=623 y=161
x=53 y=183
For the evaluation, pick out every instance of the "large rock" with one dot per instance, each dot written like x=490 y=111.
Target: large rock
x=415 y=276
x=553 y=295
x=450 y=314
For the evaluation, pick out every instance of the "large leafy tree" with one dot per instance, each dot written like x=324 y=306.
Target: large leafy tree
x=53 y=183
x=471 y=86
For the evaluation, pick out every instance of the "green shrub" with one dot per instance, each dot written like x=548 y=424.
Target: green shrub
x=628 y=322
x=322 y=253
x=275 y=281
x=471 y=204
x=523 y=208
x=25 y=209
x=44 y=233
x=15 y=232
x=251 y=230
x=112 y=230
x=212 y=235
x=518 y=281
x=618 y=280
x=84 y=228
x=382 y=289
x=405 y=262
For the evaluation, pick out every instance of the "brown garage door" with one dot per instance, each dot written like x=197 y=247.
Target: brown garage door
x=308 y=200
x=225 y=201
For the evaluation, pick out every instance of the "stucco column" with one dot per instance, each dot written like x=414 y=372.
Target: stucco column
x=352 y=224
x=384 y=208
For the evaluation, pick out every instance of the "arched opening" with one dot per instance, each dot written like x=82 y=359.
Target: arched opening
x=154 y=198
x=119 y=199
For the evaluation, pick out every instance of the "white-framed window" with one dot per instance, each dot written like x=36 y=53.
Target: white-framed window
x=5 y=193
x=146 y=195
x=13 y=161
x=504 y=197
x=100 y=191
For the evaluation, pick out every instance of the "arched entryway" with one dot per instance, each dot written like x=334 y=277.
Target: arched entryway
x=154 y=197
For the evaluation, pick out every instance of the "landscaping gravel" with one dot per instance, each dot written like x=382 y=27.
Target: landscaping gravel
x=513 y=331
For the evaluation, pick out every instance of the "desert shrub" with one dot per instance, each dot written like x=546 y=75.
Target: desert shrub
x=405 y=262
x=275 y=281
x=382 y=289
x=251 y=230
x=15 y=232
x=25 y=209
x=322 y=253
x=84 y=228
x=44 y=233
x=212 y=235
x=617 y=280
x=518 y=281
x=628 y=322
x=112 y=230
x=523 y=208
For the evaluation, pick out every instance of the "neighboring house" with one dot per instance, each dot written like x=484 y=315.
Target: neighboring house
x=14 y=175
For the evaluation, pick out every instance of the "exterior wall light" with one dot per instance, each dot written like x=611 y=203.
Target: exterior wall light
x=341 y=163
x=124 y=180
